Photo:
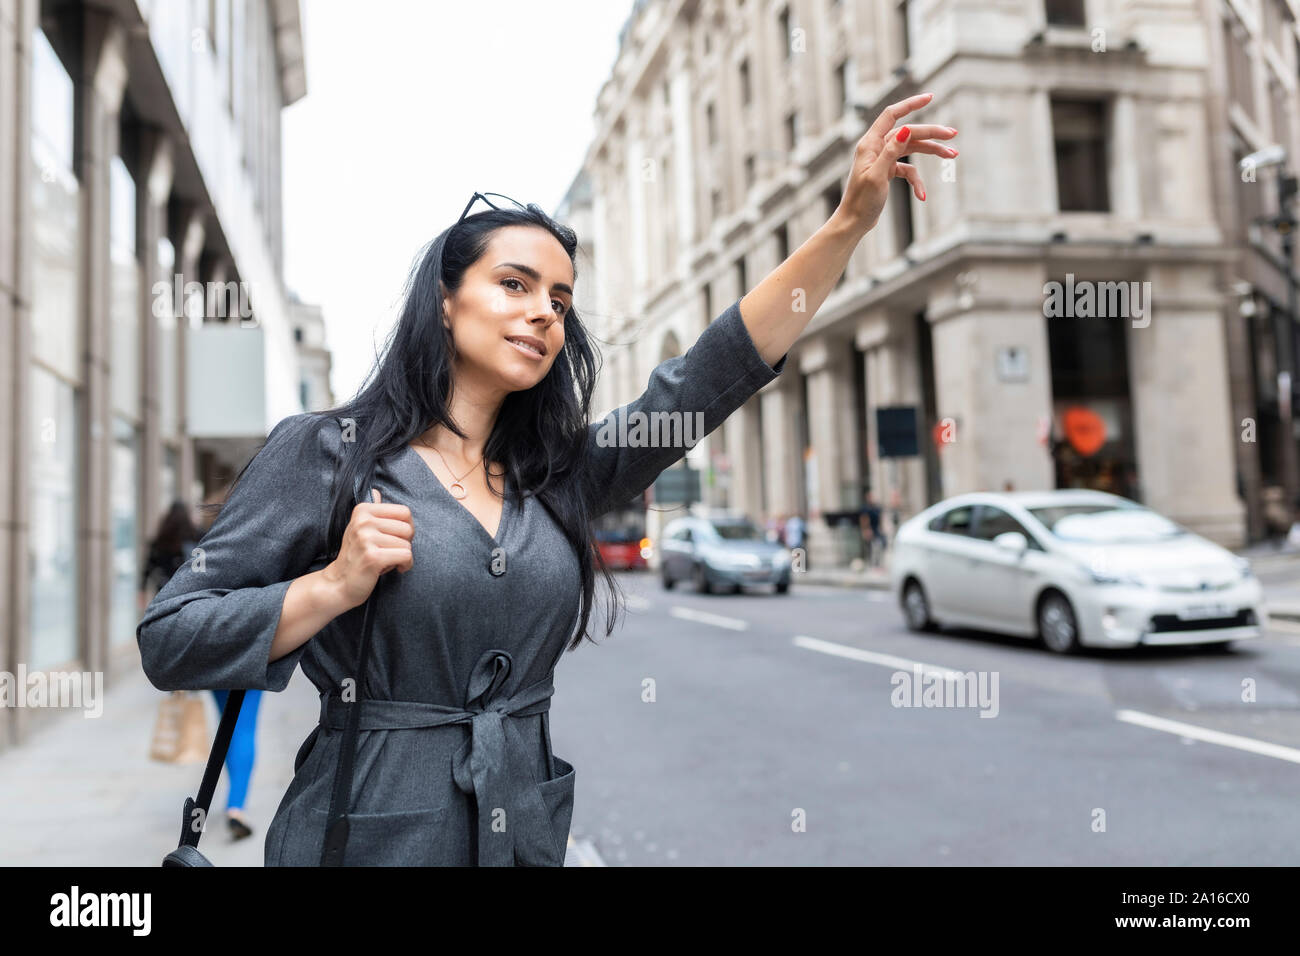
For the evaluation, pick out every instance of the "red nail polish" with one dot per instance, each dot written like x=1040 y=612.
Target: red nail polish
x=903 y=134
x=922 y=195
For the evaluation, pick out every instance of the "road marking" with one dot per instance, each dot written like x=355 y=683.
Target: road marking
x=704 y=617
x=1281 y=624
x=871 y=657
x=1248 y=744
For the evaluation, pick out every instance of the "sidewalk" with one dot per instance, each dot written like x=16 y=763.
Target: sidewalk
x=83 y=791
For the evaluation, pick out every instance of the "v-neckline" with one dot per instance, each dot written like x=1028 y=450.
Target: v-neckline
x=497 y=537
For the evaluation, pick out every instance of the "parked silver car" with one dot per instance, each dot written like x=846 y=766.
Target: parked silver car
x=721 y=554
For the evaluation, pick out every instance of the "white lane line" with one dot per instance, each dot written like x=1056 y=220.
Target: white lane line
x=704 y=617
x=1249 y=744
x=871 y=657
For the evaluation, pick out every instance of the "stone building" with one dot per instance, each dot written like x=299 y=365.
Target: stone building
x=147 y=342
x=1098 y=141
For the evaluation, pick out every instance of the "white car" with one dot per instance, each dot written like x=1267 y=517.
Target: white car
x=1071 y=568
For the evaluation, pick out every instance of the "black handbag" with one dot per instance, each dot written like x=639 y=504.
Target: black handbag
x=336 y=830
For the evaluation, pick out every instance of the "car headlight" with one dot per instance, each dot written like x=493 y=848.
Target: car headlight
x=781 y=559
x=1108 y=577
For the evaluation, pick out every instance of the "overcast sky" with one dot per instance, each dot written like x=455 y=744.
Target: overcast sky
x=410 y=108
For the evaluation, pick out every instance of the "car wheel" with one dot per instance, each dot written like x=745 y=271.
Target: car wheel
x=668 y=582
x=1058 y=628
x=916 y=608
x=782 y=587
x=702 y=580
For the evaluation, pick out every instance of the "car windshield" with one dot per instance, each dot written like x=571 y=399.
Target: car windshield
x=1106 y=523
x=737 y=531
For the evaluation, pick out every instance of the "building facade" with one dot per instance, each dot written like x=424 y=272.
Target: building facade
x=1098 y=141
x=147 y=342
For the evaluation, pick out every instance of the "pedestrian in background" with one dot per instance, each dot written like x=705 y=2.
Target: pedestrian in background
x=794 y=532
x=869 y=523
x=173 y=543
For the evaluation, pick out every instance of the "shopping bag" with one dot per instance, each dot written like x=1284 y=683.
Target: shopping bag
x=180 y=733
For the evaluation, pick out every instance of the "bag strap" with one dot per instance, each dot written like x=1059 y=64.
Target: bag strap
x=336 y=824
x=225 y=730
x=336 y=827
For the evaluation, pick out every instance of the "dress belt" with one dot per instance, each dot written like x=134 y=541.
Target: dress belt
x=494 y=765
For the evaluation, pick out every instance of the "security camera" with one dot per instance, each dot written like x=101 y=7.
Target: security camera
x=1273 y=155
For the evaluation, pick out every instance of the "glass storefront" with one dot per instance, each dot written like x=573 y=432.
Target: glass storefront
x=52 y=551
x=124 y=467
x=126 y=556
x=55 y=398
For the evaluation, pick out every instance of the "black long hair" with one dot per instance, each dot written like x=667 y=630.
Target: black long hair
x=540 y=433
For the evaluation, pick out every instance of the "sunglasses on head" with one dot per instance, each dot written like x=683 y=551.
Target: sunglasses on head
x=484 y=197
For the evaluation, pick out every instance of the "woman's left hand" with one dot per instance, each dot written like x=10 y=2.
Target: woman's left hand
x=875 y=160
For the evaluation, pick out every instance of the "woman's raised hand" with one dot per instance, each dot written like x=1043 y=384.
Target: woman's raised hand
x=377 y=540
x=875 y=160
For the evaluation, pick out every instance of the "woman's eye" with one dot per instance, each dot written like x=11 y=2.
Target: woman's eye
x=515 y=281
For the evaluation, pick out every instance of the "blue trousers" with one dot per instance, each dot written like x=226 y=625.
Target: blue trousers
x=239 y=759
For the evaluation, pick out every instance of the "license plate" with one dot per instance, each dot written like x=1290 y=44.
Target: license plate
x=1197 y=612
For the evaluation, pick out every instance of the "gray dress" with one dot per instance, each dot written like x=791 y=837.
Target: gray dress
x=454 y=763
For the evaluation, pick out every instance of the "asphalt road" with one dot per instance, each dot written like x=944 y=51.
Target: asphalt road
x=759 y=730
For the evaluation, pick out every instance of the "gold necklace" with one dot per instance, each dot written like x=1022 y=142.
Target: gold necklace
x=456 y=482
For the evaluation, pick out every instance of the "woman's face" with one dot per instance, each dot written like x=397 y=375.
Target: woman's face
x=507 y=318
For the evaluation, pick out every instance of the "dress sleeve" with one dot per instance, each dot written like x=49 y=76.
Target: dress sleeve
x=713 y=378
x=211 y=625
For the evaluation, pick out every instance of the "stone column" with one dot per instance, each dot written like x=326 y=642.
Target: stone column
x=17 y=22
x=830 y=398
x=100 y=81
x=995 y=399
x=155 y=172
x=893 y=378
x=1181 y=411
x=188 y=233
x=782 y=456
x=745 y=456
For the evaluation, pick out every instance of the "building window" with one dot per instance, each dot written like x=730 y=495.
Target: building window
x=750 y=174
x=123 y=291
x=297 y=334
x=901 y=202
x=783 y=26
x=782 y=237
x=708 y=303
x=56 y=213
x=831 y=201
x=127 y=558
x=1079 y=135
x=1065 y=13
x=745 y=91
x=1241 y=86
x=842 y=87
x=742 y=283
x=902 y=33
x=711 y=122
x=715 y=202
x=52 y=542
x=792 y=131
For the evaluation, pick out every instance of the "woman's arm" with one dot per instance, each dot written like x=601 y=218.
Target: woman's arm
x=780 y=307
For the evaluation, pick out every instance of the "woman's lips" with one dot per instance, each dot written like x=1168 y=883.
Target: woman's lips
x=525 y=350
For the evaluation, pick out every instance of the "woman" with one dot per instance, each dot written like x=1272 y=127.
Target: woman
x=170 y=548
x=484 y=475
